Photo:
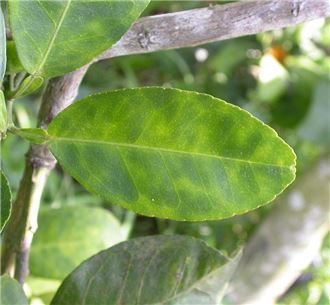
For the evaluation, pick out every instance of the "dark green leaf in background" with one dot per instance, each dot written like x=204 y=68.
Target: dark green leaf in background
x=13 y=63
x=67 y=236
x=2 y=47
x=11 y=292
x=5 y=195
x=148 y=270
x=171 y=154
x=56 y=37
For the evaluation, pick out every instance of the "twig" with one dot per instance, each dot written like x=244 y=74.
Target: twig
x=18 y=234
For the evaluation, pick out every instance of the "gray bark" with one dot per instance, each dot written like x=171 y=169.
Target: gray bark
x=286 y=242
x=214 y=23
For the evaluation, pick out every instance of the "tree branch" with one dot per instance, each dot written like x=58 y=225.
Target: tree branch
x=19 y=231
x=286 y=242
x=214 y=23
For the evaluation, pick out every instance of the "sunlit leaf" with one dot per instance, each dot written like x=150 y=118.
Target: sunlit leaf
x=56 y=37
x=171 y=154
x=3 y=114
x=42 y=288
x=273 y=79
x=148 y=270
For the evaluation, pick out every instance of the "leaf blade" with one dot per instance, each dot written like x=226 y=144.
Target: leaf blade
x=58 y=35
x=171 y=153
x=69 y=235
x=148 y=270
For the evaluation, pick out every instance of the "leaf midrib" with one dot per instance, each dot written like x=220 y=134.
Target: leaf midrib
x=52 y=41
x=128 y=145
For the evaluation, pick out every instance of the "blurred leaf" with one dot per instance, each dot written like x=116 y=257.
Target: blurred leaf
x=273 y=79
x=171 y=154
x=316 y=125
x=5 y=200
x=13 y=63
x=67 y=236
x=41 y=286
x=61 y=36
x=151 y=270
x=293 y=106
x=2 y=47
x=12 y=163
x=11 y=292
x=3 y=115
x=231 y=55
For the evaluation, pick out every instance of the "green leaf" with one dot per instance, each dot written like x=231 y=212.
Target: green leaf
x=28 y=85
x=212 y=288
x=5 y=200
x=171 y=154
x=149 y=270
x=315 y=127
x=67 y=236
x=11 y=292
x=34 y=135
x=13 y=63
x=56 y=37
x=3 y=114
x=2 y=47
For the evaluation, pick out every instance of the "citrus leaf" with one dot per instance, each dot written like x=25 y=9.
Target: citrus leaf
x=171 y=154
x=212 y=288
x=148 y=270
x=11 y=292
x=27 y=86
x=67 y=236
x=5 y=200
x=56 y=37
x=13 y=63
x=2 y=47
